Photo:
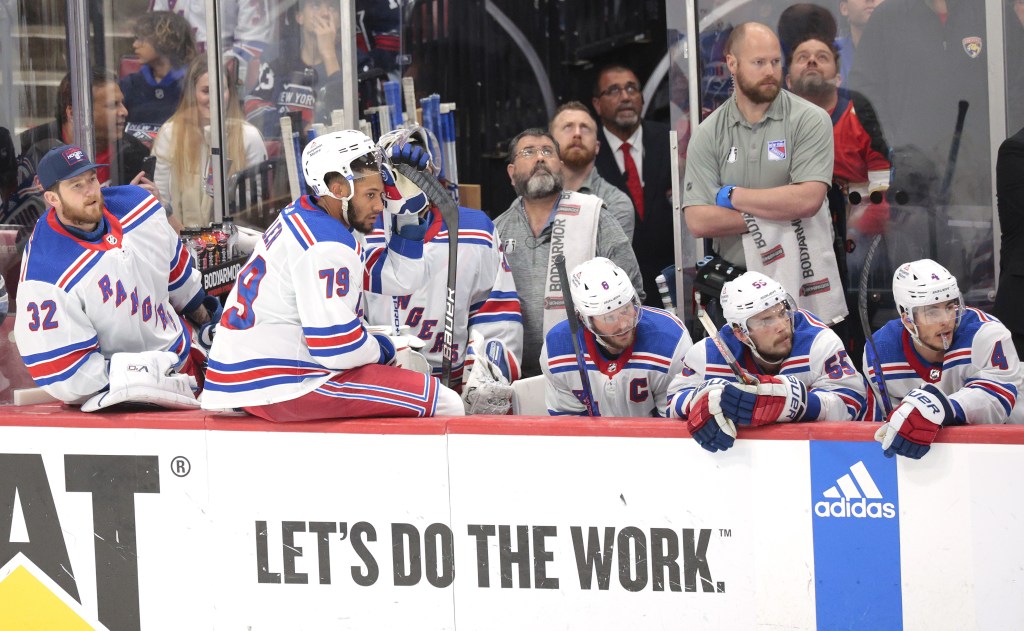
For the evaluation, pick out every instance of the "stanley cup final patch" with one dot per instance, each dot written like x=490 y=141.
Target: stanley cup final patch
x=972 y=46
x=776 y=149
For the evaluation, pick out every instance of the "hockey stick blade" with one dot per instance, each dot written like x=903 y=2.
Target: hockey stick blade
x=574 y=327
x=709 y=327
x=440 y=198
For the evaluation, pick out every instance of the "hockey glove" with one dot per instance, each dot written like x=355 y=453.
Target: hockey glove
x=702 y=411
x=145 y=378
x=488 y=389
x=387 y=349
x=913 y=425
x=778 y=399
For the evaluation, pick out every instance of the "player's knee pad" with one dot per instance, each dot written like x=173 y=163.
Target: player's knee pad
x=449 y=403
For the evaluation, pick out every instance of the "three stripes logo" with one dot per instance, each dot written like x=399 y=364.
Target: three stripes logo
x=856 y=495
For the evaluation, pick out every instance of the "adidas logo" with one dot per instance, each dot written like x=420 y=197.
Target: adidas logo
x=856 y=496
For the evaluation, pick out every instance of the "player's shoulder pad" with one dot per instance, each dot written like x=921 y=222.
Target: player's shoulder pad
x=806 y=328
x=978 y=328
x=658 y=332
x=309 y=224
x=889 y=342
x=54 y=258
x=559 y=340
x=126 y=202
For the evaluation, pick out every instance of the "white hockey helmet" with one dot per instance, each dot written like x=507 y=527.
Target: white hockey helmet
x=599 y=287
x=921 y=284
x=338 y=152
x=410 y=199
x=749 y=294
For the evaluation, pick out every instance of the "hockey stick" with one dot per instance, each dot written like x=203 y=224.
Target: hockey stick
x=574 y=327
x=449 y=210
x=288 y=138
x=709 y=327
x=871 y=352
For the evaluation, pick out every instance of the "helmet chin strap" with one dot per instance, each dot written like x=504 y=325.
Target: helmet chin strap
x=912 y=329
x=753 y=349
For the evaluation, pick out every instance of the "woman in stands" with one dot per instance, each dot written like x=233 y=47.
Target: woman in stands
x=184 y=172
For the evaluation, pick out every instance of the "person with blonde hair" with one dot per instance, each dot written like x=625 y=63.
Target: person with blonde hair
x=184 y=171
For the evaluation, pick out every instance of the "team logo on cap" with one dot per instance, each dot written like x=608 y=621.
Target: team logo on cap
x=73 y=156
x=776 y=149
x=972 y=46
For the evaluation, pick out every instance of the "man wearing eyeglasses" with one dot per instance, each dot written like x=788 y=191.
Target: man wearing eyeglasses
x=793 y=367
x=546 y=221
x=942 y=363
x=637 y=160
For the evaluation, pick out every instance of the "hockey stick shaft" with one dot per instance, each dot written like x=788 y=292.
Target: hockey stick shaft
x=730 y=359
x=870 y=351
x=954 y=151
x=440 y=198
x=290 y=157
x=574 y=327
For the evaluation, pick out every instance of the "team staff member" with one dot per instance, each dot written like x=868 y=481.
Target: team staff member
x=104 y=275
x=803 y=372
x=631 y=352
x=757 y=172
x=545 y=221
x=292 y=345
x=943 y=364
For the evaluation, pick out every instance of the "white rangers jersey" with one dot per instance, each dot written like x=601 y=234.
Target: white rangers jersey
x=980 y=372
x=485 y=294
x=294 y=316
x=634 y=384
x=835 y=390
x=81 y=301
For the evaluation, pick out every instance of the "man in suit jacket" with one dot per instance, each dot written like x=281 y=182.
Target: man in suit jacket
x=618 y=101
x=1010 y=200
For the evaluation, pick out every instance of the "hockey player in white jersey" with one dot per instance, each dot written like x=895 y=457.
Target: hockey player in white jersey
x=103 y=281
x=292 y=344
x=486 y=303
x=631 y=352
x=801 y=369
x=943 y=363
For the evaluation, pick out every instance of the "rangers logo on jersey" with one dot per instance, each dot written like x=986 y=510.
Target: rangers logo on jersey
x=972 y=46
x=777 y=149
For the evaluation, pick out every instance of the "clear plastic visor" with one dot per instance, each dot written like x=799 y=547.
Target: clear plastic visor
x=772 y=316
x=617 y=322
x=938 y=313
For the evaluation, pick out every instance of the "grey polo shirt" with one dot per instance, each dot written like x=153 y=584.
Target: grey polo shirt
x=528 y=257
x=618 y=203
x=793 y=143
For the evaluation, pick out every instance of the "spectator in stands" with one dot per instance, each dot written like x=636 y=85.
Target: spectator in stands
x=164 y=45
x=304 y=78
x=545 y=221
x=120 y=157
x=861 y=165
x=183 y=166
x=576 y=133
x=857 y=14
x=637 y=161
x=249 y=33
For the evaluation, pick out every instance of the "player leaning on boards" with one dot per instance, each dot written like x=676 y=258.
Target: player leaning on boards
x=292 y=345
x=803 y=372
x=631 y=353
x=103 y=281
x=943 y=363
x=486 y=303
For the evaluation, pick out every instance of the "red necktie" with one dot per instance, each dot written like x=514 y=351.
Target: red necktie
x=636 y=190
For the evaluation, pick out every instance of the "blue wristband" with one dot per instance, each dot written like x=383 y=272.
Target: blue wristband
x=723 y=198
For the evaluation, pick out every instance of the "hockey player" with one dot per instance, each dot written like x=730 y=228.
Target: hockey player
x=486 y=303
x=292 y=345
x=942 y=363
x=801 y=369
x=631 y=352
x=103 y=281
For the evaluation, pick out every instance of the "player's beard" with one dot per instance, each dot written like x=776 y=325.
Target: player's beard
x=365 y=224
x=813 y=85
x=540 y=183
x=763 y=91
x=577 y=156
x=89 y=213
